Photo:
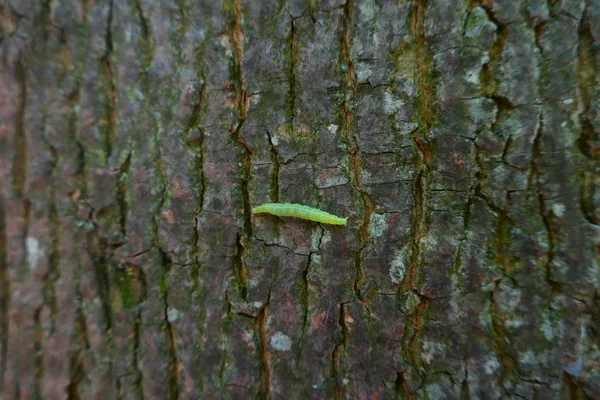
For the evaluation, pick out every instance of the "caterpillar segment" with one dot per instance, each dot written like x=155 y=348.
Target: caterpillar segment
x=299 y=211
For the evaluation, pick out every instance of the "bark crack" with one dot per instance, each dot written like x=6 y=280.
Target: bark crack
x=240 y=269
x=38 y=371
x=197 y=111
x=546 y=214
x=147 y=42
x=488 y=80
x=54 y=226
x=166 y=263
x=349 y=85
x=79 y=344
x=292 y=74
x=241 y=101
x=276 y=168
x=81 y=171
x=197 y=141
x=426 y=118
x=336 y=355
x=79 y=338
x=122 y=183
x=19 y=167
x=305 y=284
x=466 y=226
x=414 y=330
x=587 y=82
x=401 y=387
x=265 y=375
x=110 y=88
x=99 y=252
x=465 y=391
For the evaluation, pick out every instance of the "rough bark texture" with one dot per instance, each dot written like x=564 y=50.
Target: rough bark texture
x=461 y=138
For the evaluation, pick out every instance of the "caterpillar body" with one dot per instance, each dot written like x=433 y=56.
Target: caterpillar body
x=299 y=211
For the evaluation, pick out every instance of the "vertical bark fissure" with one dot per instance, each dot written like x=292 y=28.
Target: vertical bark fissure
x=79 y=344
x=414 y=329
x=241 y=102
x=265 y=374
x=165 y=267
x=196 y=116
x=144 y=22
x=54 y=227
x=19 y=177
x=401 y=389
x=293 y=49
x=465 y=392
x=196 y=271
x=239 y=268
x=305 y=285
x=195 y=139
x=587 y=83
x=122 y=184
x=52 y=273
x=79 y=338
x=489 y=90
x=545 y=213
x=276 y=167
x=473 y=188
x=81 y=170
x=19 y=167
x=99 y=253
x=110 y=88
x=38 y=337
x=504 y=223
x=420 y=225
x=425 y=114
x=538 y=30
x=349 y=85
x=147 y=42
x=504 y=255
x=489 y=82
x=336 y=355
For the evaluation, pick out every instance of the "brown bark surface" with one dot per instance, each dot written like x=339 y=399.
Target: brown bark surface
x=461 y=138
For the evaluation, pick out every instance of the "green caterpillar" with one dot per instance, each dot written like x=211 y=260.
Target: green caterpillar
x=299 y=211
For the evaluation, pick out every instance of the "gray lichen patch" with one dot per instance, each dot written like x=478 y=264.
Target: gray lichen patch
x=398 y=266
x=281 y=342
x=378 y=225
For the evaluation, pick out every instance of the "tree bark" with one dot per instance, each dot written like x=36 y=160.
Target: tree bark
x=461 y=138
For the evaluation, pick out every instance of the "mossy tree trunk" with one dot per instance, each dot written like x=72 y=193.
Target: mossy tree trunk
x=461 y=138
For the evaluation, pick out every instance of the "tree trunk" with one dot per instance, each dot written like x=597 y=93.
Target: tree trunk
x=461 y=138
